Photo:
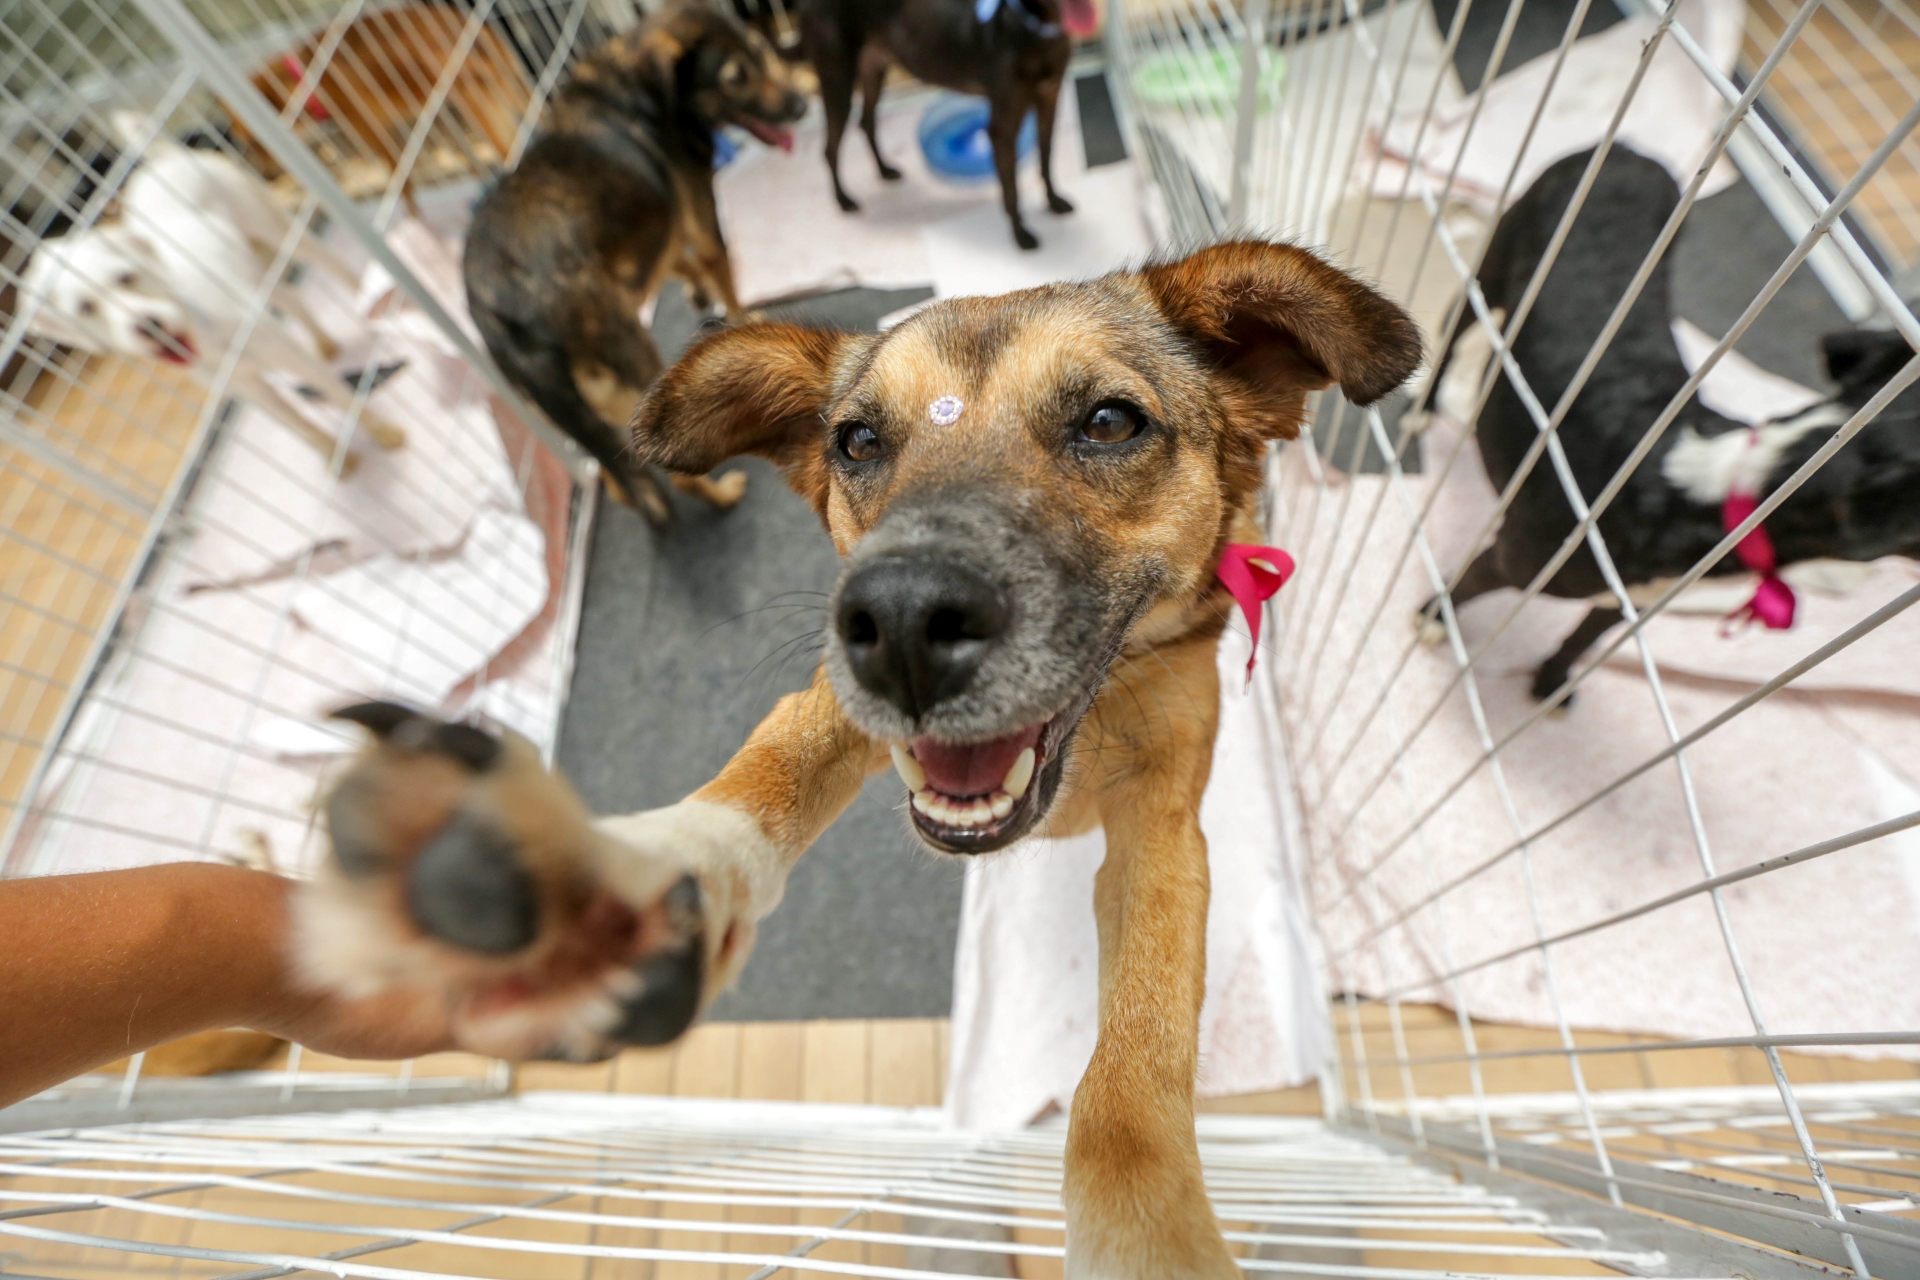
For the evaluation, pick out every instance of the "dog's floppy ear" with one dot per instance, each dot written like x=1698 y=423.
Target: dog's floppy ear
x=758 y=388
x=1278 y=322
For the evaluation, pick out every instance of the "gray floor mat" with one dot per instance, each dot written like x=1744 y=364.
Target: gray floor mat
x=686 y=641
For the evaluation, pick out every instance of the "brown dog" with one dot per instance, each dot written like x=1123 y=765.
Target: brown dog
x=1031 y=493
x=614 y=195
x=383 y=74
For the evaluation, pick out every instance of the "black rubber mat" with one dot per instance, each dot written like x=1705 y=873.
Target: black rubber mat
x=686 y=641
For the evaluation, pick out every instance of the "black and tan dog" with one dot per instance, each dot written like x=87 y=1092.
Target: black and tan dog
x=614 y=195
x=1016 y=56
x=1031 y=494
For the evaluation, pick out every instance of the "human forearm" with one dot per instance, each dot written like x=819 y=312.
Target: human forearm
x=94 y=967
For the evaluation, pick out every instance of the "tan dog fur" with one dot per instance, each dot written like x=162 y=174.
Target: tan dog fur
x=1221 y=351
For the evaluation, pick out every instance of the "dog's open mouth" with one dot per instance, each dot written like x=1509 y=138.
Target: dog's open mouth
x=974 y=797
x=172 y=347
x=773 y=135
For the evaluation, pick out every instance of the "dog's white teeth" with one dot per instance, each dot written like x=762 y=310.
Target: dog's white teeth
x=923 y=801
x=1020 y=775
x=909 y=769
x=1002 y=804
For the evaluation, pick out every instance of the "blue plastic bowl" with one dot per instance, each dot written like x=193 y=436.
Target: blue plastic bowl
x=953 y=137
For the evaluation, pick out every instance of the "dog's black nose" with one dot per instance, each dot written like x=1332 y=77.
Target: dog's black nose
x=915 y=630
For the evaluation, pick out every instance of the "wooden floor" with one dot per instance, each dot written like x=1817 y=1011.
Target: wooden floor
x=1842 y=87
x=70 y=548
x=903 y=1062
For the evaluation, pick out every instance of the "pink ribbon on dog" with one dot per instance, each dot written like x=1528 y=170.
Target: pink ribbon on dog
x=1773 y=602
x=1252 y=574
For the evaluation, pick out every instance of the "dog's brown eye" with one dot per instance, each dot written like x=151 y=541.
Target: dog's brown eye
x=1112 y=423
x=859 y=442
x=733 y=74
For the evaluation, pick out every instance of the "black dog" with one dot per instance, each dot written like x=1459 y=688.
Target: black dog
x=1863 y=504
x=1014 y=52
x=614 y=195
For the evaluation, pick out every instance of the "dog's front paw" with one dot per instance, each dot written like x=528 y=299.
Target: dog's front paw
x=888 y=173
x=847 y=203
x=1025 y=238
x=1059 y=203
x=461 y=864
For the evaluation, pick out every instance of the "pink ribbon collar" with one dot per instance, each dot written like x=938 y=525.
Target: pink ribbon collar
x=1772 y=604
x=1252 y=574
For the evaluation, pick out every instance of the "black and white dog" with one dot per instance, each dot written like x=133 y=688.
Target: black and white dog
x=1863 y=504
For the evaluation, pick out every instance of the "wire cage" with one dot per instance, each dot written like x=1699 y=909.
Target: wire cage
x=203 y=550
x=1690 y=864
x=1623 y=973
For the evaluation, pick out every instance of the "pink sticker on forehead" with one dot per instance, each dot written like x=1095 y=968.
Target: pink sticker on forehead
x=945 y=411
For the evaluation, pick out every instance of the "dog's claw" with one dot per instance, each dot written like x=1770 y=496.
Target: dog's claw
x=670 y=980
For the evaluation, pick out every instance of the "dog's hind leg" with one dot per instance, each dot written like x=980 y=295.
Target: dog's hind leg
x=836 y=95
x=873 y=78
x=1554 y=671
x=704 y=262
x=1482 y=576
x=1136 y=1204
x=1003 y=128
x=1046 y=97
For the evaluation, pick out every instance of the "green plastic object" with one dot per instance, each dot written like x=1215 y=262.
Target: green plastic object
x=1177 y=78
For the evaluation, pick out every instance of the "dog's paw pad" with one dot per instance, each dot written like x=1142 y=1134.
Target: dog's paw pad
x=462 y=864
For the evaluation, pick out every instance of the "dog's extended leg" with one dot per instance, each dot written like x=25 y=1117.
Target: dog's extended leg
x=1136 y=1205
x=289 y=301
x=1003 y=128
x=291 y=356
x=743 y=831
x=1046 y=97
x=248 y=385
x=873 y=78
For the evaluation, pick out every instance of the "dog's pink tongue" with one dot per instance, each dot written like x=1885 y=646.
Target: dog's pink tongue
x=1079 y=17
x=975 y=769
